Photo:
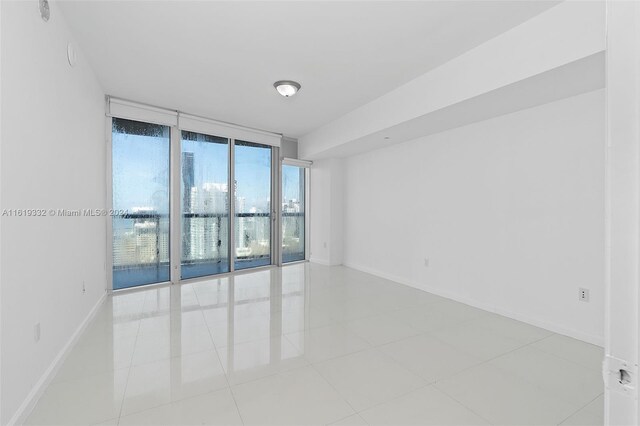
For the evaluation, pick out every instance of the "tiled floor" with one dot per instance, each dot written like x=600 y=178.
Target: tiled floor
x=308 y=344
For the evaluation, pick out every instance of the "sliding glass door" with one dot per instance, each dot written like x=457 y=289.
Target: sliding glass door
x=205 y=205
x=220 y=191
x=140 y=189
x=293 y=213
x=252 y=192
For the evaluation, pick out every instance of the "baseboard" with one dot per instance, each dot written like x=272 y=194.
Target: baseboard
x=585 y=337
x=319 y=261
x=20 y=416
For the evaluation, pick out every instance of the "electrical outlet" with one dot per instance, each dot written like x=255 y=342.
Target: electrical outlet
x=84 y=290
x=583 y=294
x=426 y=261
x=325 y=245
x=36 y=332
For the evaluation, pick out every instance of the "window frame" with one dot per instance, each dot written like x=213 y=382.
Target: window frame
x=306 y=165
x=161 y=116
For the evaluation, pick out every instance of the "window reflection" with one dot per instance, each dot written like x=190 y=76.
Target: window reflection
x=198 y=335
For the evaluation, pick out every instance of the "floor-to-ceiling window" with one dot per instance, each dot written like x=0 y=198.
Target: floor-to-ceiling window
x=252 y=191
x=140 y=188
x=193 y=197
x=204 y=205
x=293 y=213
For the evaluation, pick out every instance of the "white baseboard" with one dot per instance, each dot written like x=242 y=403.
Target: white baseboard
x=319 y=261
x=585 y=337
x=20 y=416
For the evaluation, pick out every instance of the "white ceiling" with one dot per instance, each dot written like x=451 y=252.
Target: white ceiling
x=220 y=59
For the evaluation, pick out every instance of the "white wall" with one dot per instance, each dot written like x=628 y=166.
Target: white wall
x=326 y=213
x=622 y=328
x=509 y=211
x=53 y=157
x=336 y=231
x=289 y=148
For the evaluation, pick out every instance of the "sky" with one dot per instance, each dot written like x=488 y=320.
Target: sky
x=291 y=183
x=141 y=171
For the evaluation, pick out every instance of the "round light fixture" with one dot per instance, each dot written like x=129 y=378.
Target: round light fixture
x=45 y=11
x=287 y=88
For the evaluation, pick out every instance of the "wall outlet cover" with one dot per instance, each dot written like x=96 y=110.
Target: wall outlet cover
x=583 y=294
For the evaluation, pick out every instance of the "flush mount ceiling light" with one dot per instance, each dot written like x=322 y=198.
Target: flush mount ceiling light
x=45 y=11
x=287 y=88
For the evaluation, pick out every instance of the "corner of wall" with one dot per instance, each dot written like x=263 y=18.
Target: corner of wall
x=337 y=211
x=326 y=214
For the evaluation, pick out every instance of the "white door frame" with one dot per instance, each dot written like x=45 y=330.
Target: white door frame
x=622 y=253
x=306 y=165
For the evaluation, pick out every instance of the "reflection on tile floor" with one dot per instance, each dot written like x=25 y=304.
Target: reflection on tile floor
x=309 y=344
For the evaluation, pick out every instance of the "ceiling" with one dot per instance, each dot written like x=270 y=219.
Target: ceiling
x=220 y=59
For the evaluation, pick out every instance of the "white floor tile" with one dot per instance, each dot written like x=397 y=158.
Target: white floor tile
x=459 y=310
x=381 y=329
x=102 y=332
x=590 y=415
x=216 y=408
x=354 y=420
x=505 y=399
x=392 y=298
x=245 y=329
x=426 y=406
x=260 y=358
x=211 y=293
x=584 y=418
x=171 y=320
x=97 y=358
x=512 y=329
x=320 y=344
x=123 y=307
x=84 y=401
x=183 y=298
x=433 y=317
x=477 y=341
x=110 y=422
x=368 y=378
x=152 y=347
x=585 y=354
x=295 y=397
x=172 y=379
x=323 y=315
x=429 y=357
x=556 y=376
